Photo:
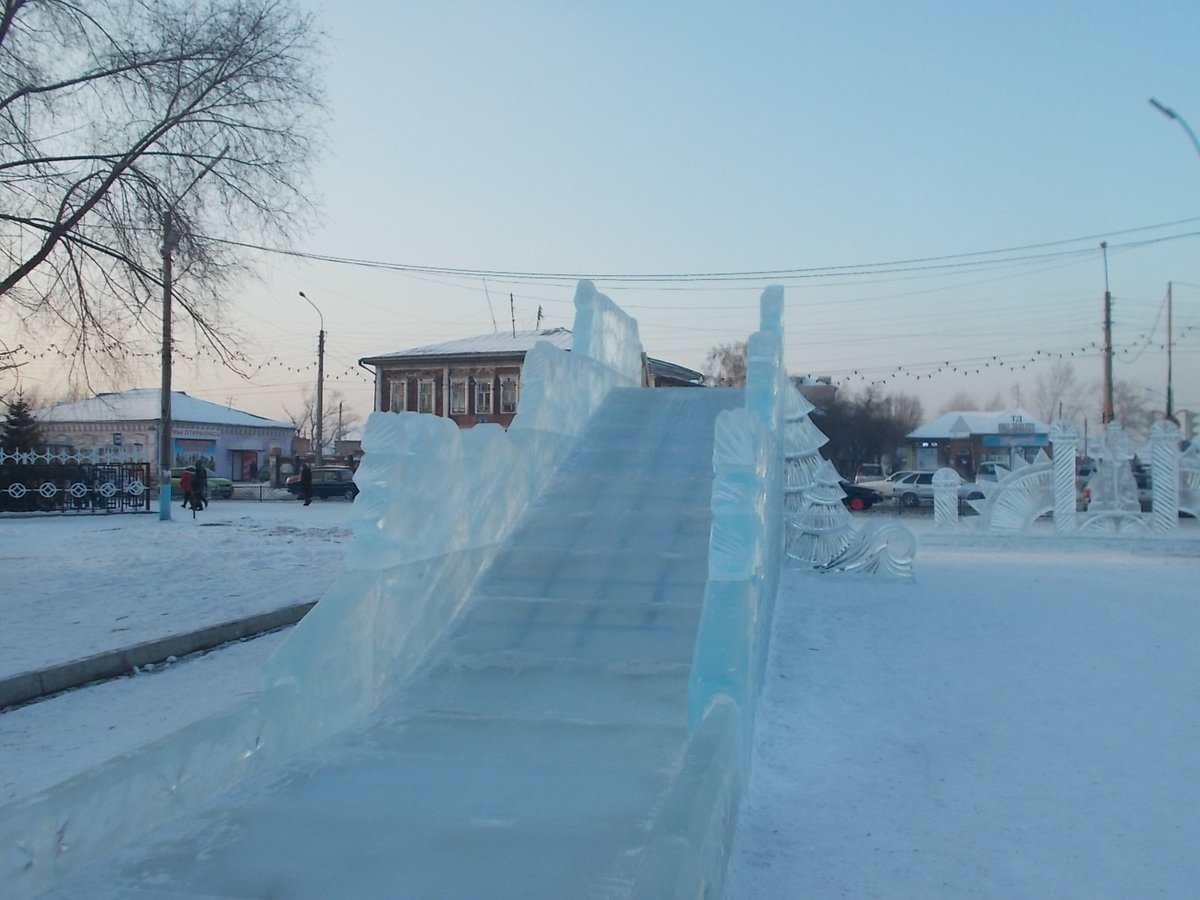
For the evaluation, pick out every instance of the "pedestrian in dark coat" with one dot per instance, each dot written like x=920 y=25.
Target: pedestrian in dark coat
x=306 y=484
x=200 y=486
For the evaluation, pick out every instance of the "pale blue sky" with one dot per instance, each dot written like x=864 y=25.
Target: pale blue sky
x=625 y=138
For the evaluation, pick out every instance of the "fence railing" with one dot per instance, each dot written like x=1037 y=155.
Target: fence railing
x=73 y=486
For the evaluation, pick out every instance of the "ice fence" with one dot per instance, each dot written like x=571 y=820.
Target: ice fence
x=435 y=504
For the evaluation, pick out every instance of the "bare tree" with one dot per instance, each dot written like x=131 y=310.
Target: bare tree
x=960 y=402
x=133 y=127
x=1132 y=408
x=337 y=420
x=1058 y=393
x=726 y=364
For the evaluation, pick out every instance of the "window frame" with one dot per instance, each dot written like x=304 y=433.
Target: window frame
x=484 y=388
x=458 y=390
x=514 y=385
x=429 y=384
x=398 y=387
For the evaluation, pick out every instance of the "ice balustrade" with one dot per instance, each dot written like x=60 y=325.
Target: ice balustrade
x=690 y=840
x=404 y=579
x=1049 y=485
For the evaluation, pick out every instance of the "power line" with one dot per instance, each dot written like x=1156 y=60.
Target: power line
x=956 y=261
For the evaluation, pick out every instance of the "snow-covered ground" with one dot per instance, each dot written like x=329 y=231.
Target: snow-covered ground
x=1021 y=721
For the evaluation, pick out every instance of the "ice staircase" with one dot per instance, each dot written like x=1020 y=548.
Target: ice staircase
x=529 y=754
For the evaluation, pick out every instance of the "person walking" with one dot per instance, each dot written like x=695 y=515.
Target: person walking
x=185 y=485
x=200 y=486
x=306 y=484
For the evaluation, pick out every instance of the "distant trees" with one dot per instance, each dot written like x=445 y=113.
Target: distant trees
x=726 y=364
x=867 y=427
x=132 y=126
x=21 y=430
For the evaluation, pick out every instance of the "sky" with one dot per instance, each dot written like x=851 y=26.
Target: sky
x=930 y=182
x=1019 y=721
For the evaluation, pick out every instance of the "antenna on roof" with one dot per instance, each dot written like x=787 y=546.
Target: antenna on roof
x=512 y=309
x=495 y=327
x=538 y=324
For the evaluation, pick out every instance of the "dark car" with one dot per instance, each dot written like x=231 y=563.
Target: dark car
x=859 y=497
x=327 y=481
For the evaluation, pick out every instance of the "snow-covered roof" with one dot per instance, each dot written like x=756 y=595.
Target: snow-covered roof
x=144 y=404
x=497 y=342
x=960 y=424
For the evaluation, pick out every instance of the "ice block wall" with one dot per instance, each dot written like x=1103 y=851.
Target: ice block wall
x=435 y=503
x=691 y=838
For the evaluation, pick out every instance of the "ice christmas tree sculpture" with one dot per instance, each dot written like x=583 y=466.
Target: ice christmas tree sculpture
x=817 y=528
x=817 y=524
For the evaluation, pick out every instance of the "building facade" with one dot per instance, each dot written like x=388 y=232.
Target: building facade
x=235 y=444
x=476 y=380
x=964 y=440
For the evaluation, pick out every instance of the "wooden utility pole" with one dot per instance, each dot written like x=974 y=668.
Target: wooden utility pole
x=1107 y=413
x=164 y=425
x=1170 y=391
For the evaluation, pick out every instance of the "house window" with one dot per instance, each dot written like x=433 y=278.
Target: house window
x=458 y=398
x=425 y=395
x=398 y=395
x=508 y=395
x=483 y=397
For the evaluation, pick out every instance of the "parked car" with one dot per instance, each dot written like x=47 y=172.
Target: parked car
x=914 y=489
x=859 y=496
x=218 y=488
x=869 y=472
x=327 y=481
x=887 y=486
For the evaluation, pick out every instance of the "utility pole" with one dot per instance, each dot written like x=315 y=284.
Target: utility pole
x=164 y=425
x=320 y=379
x=512 y=309
x=1170 y=392
x=1107 y=414
x=170 y=242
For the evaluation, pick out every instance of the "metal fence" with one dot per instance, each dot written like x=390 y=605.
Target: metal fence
x=31 y=482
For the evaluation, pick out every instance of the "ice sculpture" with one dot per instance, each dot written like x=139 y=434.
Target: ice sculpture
x=818 y=530
x=1164 y=503
x=945 y=497
x=882 y=548
x=690 y=838
x=1048 y=485
x=1016 y=500
x=373 y=625
x=1189 y=481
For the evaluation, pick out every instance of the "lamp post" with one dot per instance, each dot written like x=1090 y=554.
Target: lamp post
x=1171 y=114
x=320 y=378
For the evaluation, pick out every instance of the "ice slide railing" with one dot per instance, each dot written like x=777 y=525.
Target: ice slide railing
x=404 y=580
x=691 y=838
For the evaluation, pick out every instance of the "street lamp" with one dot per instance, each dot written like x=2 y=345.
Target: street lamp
x=320 y=378
x=1171 y=114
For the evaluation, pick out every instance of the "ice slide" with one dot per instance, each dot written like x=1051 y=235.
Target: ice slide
x=527 y=756
x=539 y=745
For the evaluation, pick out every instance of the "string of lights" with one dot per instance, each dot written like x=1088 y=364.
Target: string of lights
x=866 y=375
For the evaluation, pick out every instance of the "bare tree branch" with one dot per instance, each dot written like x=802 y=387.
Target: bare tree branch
x=113 y=112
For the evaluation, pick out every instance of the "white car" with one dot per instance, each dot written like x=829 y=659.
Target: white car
x=887 y=485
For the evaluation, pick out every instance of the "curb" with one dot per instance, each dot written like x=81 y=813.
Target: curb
x=26 y=687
